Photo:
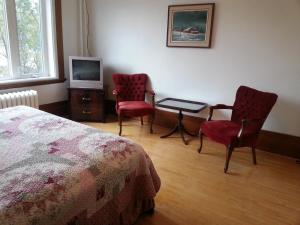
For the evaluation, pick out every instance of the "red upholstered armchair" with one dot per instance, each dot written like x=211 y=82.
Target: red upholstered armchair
x=249 y=112
x=130 y=97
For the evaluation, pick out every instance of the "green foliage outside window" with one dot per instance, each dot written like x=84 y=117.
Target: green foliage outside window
x=30 y=42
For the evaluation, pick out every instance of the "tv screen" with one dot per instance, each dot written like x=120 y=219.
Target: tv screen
x=88 y=70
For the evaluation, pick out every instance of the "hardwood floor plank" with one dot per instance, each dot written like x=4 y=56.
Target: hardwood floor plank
x=195 y=190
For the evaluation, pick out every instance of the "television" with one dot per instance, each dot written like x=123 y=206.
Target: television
x=86 y=72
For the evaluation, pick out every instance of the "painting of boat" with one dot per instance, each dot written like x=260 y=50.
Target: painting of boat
x=190 y=25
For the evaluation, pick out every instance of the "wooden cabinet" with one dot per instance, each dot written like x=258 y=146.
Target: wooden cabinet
x=87 y=104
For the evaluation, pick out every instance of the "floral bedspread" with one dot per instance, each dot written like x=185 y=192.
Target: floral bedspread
x=52 y=169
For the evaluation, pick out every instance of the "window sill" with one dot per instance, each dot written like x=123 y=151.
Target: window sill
x=31 y=82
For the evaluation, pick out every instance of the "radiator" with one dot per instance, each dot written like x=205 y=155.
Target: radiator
x=28 y=98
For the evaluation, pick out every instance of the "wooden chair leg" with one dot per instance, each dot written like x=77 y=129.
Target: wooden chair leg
x=254 y=155
x=142 y=121
x=228 y=156
x=120 y=124
x=201 y=140
x=151 y=123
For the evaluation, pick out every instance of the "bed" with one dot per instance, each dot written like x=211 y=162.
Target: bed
x=56 y=171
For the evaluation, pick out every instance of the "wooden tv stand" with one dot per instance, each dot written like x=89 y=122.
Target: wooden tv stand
x=87 y=104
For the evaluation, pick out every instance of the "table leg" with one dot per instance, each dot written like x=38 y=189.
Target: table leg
x=181 y=132
x=189 y=133
x=175 y=129
x=180 y=128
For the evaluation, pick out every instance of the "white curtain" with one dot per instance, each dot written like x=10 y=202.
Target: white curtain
x=84 y=27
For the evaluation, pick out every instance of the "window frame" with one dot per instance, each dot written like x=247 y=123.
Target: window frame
x=59 y=57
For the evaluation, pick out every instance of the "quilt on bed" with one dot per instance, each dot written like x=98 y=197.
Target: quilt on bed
x=53 y=169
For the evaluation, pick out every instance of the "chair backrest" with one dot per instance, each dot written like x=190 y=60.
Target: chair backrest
x=131 y=87
x=252 y=104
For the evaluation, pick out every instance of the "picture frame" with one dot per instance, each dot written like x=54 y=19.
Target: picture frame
x=190 y=26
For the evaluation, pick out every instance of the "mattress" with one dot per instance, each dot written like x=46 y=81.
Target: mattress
x=56 y=171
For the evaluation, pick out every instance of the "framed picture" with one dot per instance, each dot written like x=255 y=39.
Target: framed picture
x=190 y=25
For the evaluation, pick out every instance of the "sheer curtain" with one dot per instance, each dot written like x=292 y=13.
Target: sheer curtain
x=84 y=27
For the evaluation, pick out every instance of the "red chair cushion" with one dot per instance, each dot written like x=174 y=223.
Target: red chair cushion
x=224 y=131
x=135 y=108
x=249 y=104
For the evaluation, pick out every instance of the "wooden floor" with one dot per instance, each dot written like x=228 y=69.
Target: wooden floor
x=195 y=191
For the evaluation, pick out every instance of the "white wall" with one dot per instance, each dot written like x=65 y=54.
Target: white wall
x=58 y=92
x=255 y=43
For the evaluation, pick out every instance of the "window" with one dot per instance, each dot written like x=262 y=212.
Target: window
x=28 y=40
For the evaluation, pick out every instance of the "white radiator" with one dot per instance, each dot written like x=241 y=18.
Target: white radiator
x=28 y=98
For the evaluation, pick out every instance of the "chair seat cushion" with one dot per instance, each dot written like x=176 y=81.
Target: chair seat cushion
x=225 y=132
x=135 y=108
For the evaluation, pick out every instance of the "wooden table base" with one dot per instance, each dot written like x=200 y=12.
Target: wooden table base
x=180 y=128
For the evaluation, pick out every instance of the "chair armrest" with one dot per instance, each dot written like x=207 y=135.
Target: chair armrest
x=218 y=106
x=116 y=92
x=246 y=123
x=221 y=106
x=152 y=94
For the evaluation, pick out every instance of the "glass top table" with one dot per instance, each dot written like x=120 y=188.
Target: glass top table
x=182 y=106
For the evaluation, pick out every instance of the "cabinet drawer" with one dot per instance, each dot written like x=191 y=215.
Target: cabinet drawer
x=87 y=104
x=80 y=97
x=82 y=114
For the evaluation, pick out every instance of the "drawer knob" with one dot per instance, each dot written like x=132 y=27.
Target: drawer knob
x=86 y=99
x=86 y=112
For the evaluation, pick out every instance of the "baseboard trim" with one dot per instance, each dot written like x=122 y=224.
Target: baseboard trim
x=269 y=141
x=279 y=143
x=56 y=108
